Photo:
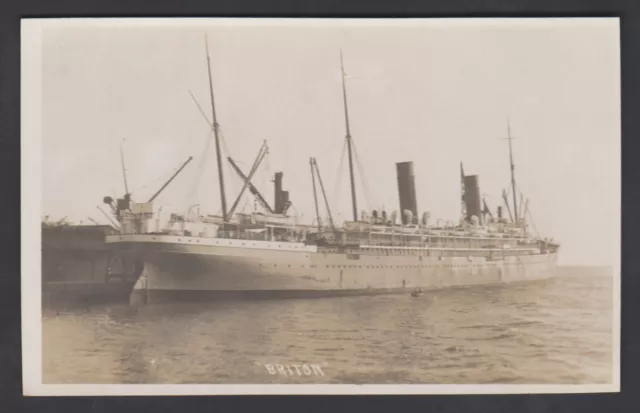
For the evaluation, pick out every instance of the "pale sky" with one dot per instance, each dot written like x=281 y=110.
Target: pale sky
x=435 y=92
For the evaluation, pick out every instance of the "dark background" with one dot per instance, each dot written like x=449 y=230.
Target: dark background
x=11 y=12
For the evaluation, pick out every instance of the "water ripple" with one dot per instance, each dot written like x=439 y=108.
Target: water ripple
x=535 y=333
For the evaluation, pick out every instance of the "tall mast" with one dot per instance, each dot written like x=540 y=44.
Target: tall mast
x=513 y=176
x=348 y=138
x=124 y=170
x=223 y=198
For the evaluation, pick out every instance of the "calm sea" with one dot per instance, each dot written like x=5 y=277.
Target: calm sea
x=556 y=331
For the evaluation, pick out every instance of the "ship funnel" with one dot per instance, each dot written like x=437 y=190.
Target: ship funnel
x=281 y=202
x=407 y=191
x=472 y=197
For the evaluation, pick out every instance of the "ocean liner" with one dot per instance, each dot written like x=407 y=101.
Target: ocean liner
x=270 y=254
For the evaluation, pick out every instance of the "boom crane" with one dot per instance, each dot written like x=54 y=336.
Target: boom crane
x=506 y=203
x=486 y=208
x=315 y=195
x=513 y=176
x=324 y=194
x=169 y=180
x=252 y=188
x=124 y=170
x=247 y=182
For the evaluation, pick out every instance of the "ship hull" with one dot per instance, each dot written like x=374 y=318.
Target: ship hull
x=79 y=266
x=178 y=269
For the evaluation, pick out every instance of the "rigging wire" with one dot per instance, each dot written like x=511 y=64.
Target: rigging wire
x=265 y=177
x=227 y=153
x=363 y=180
x=192 y=192
x=160 y=178
x=151 y=183
x=225 y=148
x=244 y=206
x=267 y=168
x=533 y=224
x=507 y=189
x=336 y=185
x=135 y=189
x=204 y=115
x=166 y=176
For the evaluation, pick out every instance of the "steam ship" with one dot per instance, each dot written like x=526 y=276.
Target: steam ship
x=270 y=254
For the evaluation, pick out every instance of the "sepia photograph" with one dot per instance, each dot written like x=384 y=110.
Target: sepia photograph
x=320 y=206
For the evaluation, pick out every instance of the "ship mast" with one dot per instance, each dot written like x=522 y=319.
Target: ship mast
x=348 y=138
x=513 y=176
x=223 y=198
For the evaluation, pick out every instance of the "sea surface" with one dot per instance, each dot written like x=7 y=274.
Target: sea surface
x=543 y=332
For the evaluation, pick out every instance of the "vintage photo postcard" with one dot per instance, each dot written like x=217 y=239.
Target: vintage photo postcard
x=335 y=206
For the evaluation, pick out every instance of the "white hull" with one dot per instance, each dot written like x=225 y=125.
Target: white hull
x=174 y=266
